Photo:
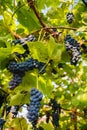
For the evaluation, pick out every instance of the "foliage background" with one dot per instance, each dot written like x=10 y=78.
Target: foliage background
x=68 y=84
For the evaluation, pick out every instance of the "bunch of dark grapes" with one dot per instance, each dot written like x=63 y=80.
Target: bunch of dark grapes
x=2 y=121
x=22 y=41
x=69 y=17
x=73 y=48
x=19 y=68
x=56 y=109
x=16 y=80
x=14 y=111
x=33 y=110
x=85 y=2
x=29 y=64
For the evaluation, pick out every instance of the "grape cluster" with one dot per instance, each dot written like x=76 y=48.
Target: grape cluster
x=73 y=48
x=16 y=80
x=30 y=38
x=2 y=121
x=56 y=109
x=19 y=68
x=23 y=40
x=14 y=111
x=33 y=110
x=69 y=17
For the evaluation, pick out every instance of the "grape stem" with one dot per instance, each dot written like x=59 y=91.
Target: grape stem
x=74 y=119
x=31 y=4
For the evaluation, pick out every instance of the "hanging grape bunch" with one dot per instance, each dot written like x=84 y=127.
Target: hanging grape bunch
x=73 y=48
x=22 y=42
x=56 y=109
x=69 y=17
x=2 y=121
x=54 y=114
x=33 y=110
x=19 y=68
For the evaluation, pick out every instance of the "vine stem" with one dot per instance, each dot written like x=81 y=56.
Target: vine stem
x=32 y=6
x=20 y=124
x=74 y=119
x=44 y=66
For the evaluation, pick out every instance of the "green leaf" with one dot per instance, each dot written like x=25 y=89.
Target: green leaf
x=27 y=18
x=54 y=50
x=4 y=53
x=39 y=50
x=45 y=85
x=17 y=48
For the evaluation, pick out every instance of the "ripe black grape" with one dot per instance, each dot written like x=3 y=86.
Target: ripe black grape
x=56 y=109
x=16 y=80
x=60 y=65
x=33 y=110
x=47 y=117
x=30 y=38
x=69 y=17
x=29 y=64
x=2 y=121
x=22 y=41
x=55 y=119
x=19 y=68
x=14 y=111
x=73 y=48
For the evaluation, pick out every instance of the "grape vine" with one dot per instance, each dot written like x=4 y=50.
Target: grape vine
x=38 y=48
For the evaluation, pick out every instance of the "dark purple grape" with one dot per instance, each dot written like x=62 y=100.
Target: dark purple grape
x=14 y=111
x=16 y=80
x=69 y=17
x=73 y=48
x=2 y=121
x=19 y=68
x=55 y=114
x=55 y=119
x=33 y=110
